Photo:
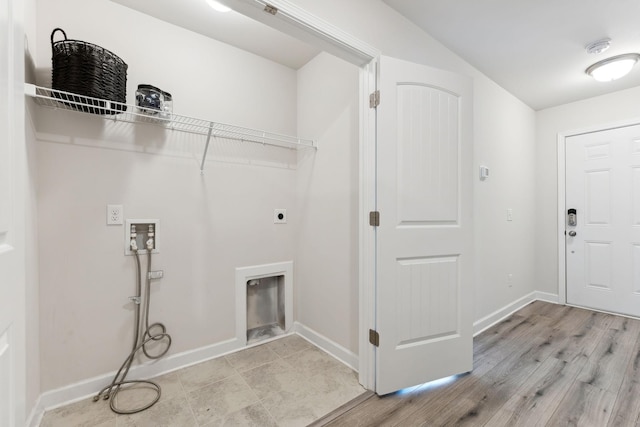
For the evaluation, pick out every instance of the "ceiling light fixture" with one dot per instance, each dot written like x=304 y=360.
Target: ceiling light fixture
x=218 y=6
x=613 y=68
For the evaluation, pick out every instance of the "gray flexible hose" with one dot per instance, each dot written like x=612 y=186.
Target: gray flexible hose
x=111 y=391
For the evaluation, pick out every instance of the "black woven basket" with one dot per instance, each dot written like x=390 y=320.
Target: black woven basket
x=87 y=69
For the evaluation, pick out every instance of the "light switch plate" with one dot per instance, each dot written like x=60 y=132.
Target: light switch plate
x=484 y=173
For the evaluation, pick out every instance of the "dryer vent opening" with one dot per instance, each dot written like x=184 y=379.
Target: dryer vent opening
x=265 y=308
x=264 y=301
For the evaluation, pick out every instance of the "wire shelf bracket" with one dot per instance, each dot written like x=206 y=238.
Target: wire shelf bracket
x=109 y=110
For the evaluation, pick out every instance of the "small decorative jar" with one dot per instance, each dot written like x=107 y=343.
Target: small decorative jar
x=149 y=99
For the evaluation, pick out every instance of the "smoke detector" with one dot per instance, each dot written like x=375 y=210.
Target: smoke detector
x=598 y=46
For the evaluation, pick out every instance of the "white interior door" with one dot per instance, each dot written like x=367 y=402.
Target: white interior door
x=603 y=248
x=424 y=241
x=11 y=285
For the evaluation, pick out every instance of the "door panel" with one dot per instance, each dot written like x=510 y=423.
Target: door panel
x=427 y=295
x=603 y=185
x=598 y=197
x=635 y=196
x=427 y=155
x=424 y=241
x=598 y=260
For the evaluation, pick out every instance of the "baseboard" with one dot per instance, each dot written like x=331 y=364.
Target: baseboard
x=486 y=322
x=83 y=389
x=547 y=297
x=336 y=350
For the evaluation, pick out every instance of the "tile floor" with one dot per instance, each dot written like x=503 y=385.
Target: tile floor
x=286 y=382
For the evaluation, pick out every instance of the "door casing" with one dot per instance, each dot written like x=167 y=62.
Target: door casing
x=562 y=208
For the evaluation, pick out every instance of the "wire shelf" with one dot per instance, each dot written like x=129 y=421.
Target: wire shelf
x=117 y=111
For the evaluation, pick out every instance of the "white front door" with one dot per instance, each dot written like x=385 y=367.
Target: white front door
x=424 y=241
x=603 y=248
x=11 y=257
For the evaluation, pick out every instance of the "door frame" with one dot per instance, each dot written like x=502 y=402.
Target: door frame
x=297 y=22
x=562 y=208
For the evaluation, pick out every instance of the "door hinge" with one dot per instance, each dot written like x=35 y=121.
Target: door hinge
x=374 y=99
x=270 y=9
x=374 y=218
x=374 y=337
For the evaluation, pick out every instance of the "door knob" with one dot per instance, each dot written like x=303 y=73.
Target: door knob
x=572 y=233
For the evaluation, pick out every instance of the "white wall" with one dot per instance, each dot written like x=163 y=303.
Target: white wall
x=327 y=211
x=601 y=110
x=216 y=222
x=210 y=224
x=504 y=140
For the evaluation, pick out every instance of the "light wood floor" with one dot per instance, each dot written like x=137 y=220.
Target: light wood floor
x=546 y=365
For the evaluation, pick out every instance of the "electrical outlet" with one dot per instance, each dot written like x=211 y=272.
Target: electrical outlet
x=280 y=216
x=114 y=214
x=509 y=280
x=509 y=214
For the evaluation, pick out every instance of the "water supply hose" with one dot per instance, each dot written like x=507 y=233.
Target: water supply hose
x=140 y=341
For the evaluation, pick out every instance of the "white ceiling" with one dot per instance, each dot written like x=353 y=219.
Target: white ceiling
x=231 y=28
x=535 y=49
